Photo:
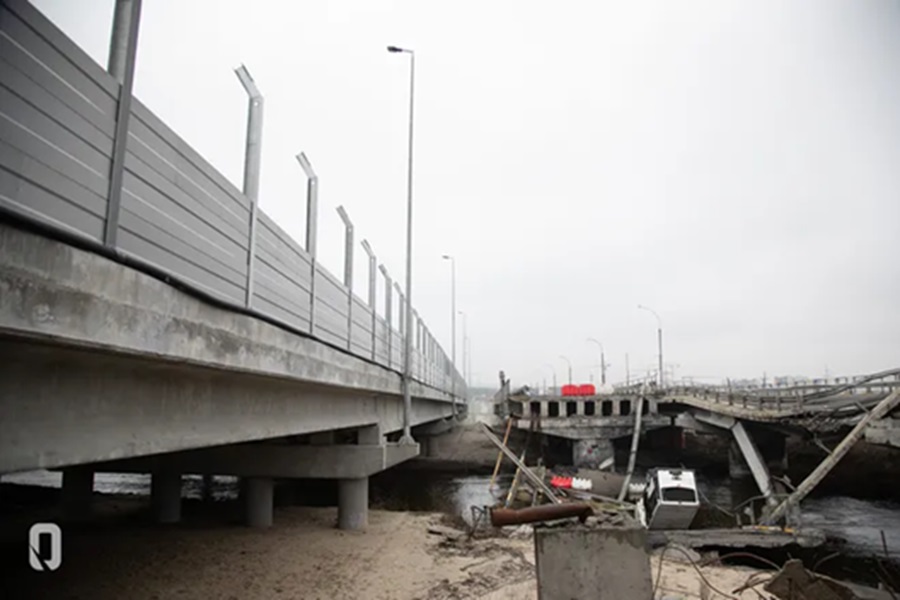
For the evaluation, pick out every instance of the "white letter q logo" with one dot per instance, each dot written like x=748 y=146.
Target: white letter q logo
x=37 y=562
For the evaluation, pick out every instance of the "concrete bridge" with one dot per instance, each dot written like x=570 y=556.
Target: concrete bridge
x=153 y=318
x=757 y=419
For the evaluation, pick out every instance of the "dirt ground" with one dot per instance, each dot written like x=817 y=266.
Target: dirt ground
x=304 y=556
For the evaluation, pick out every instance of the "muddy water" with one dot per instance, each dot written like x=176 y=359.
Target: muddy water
x=855 y=526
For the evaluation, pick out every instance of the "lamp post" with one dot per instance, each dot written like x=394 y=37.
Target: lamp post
x=465 y=373
x=602 y=361
x=552 y=368
x=570 y=367
x=658 y=339
x=407 y=399
x=452 y=318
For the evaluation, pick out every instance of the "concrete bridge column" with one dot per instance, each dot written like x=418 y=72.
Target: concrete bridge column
x=165 y=495
x=207 y=488
x=77 y=491
x=258 y=503
x=353 y=503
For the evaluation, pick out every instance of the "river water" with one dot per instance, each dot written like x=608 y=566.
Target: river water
x=855 y=525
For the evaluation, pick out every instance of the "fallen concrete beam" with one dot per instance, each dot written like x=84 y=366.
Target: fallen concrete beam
x=812 y=480
x=748 y=448
x=274 y=460
x=737 y=538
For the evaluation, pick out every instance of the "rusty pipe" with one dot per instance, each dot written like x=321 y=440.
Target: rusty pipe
x=538 y=514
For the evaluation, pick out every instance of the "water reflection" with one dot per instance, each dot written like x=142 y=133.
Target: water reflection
x=858 y=522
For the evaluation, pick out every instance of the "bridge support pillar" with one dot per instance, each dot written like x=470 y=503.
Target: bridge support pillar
x=258 y=503
x=207 y=490
x=77 y=491
x=353 y=503
x=590 y=453
x=165 y=495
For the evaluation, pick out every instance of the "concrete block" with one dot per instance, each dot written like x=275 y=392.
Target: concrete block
x=581 y=562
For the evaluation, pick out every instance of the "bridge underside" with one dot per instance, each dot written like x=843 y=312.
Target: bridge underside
x=99 y=362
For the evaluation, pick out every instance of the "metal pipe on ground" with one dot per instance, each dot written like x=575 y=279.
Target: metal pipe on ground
x=539 y=514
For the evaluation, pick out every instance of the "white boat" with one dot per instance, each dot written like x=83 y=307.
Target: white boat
x=669 y=500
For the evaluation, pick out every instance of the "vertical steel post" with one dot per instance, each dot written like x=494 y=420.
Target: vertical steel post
x=659 y=341
x=661 y=372
x=252 y=161
x=407 y=398
x=348 y=271
x=122 y=56
x=372 y=276
x=348 y=248
x=388 y=312
x=465 y=372
x=312 y=211
x=312 y=202
x=453 y=323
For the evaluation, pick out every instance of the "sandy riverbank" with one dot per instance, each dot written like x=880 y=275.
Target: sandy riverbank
x=303 y=556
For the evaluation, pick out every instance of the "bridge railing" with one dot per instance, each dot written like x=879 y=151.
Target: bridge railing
x=173 y=213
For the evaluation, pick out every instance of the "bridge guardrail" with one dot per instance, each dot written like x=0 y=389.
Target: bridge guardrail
x=178 y=214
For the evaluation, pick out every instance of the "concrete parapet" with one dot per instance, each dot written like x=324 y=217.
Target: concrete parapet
x=353 y=503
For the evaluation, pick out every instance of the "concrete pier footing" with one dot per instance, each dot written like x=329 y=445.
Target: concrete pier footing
x=353 y=503
x=258 y=501
x=77 y=489
x=165 y=496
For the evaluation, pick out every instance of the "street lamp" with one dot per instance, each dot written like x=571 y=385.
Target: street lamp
x=570 y=367
x=552 y=368
x=452 y=318
x=465 y=373
x=407 y=399
x=659 y=340
x=602 y=361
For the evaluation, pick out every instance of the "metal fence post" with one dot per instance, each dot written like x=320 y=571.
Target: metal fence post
x=388 y=313
x=122 y=55
x=348 y=271
x=372 y=275
x=252 y=160
x=312 y=211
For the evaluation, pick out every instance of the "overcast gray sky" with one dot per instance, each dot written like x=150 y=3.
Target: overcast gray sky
x=733 y=165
